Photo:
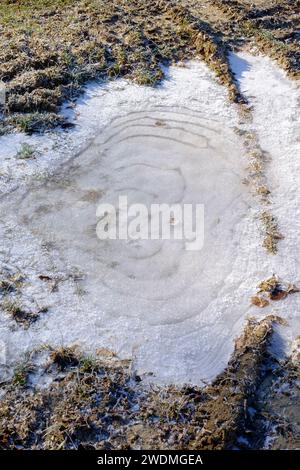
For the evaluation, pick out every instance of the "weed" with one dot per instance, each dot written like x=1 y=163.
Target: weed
x=14 y=308
x=64 y=357
x=26 y=152
x=35 y=122
x=88 y=363
x=21 y=374
x=10 y=282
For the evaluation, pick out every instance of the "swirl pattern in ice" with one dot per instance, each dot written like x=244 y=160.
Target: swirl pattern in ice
x=147 y=287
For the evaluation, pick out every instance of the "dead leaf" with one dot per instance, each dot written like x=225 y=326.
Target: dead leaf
x=105 y=352
x=259 y=301
x=278 y=294
x=43 y=277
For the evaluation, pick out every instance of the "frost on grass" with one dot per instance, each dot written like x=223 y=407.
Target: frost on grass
x=97 y=39
x=123 y=38
x=26 y=152
x=70 y=401
x=271 y=27
x=11 y=286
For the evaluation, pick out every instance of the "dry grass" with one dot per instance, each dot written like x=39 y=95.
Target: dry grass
x=273 y=28
x=102 y=404
x=122 y=38
x=10 y=282
x=18 y=313
x=97 y=39
x=272 y=233
x=11 y=293
x=107 y=40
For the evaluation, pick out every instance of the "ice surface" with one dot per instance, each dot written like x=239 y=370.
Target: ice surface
x=155 y=156
x=176 y=313
x=276 y=120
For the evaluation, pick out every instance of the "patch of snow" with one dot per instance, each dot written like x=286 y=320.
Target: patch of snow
x=175 y=312
x=276 y=120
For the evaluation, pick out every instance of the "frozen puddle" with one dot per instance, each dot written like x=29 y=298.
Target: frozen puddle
x=148 y=288
x=175 y=312
x=156 y=156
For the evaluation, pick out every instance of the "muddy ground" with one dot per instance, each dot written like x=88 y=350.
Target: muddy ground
x=61 y=399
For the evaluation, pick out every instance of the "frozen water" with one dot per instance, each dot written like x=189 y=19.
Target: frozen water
x=175 y=312
x=159 y=155
x=155 y=156
x=276 y=120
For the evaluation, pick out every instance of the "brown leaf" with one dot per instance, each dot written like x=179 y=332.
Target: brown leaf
x=278 y=294
x=259 y=301
x=43 y=277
